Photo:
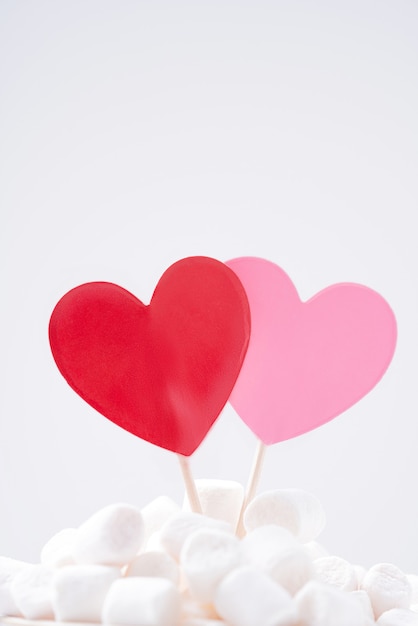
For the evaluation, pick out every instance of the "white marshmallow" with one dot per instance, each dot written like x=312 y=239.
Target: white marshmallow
x=320 y=604
x=364 y=601
x=8 y=570
x=258 y=543
x=294 y=509
x=275 y=551
x=140 y=600
x=398 y=617
x=292 y=569
x=57 y=551
x=154 y=544
x=192 y=609
x=315 y=550
x=199 y=621
x=79 y=591
x=388 y=588
x=336 y=572
x=413 y=581
x=156 y=513
x=360 y=574
x=112 y=536
x=220 y=499
x=248 y=597
x=176 y=530
x=157 y=564
x=207 y=556
x=32 y=592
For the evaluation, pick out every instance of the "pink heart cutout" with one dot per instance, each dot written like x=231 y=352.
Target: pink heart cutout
x=307 y=362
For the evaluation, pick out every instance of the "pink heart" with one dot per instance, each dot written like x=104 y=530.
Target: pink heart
x=307 y=362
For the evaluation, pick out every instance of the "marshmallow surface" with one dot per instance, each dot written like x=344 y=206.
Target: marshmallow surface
x=413 y=581
x=315 y=550
x=276 y=552
x=220 y=499
x=248 y=597
x=78 y=591
x=142 y=601
x=57 y=551
x=8 y=570
x=320 y=604
x=32 y=592
x=176 y=530
x=398 y=617
x=294 y=509
x=156 y=513
x=112 y=536
x=207 y=556
x=201 y=574
x=336 y=572
x=154 y=564
x=192 y=609
x=388 y=588
x=201 y=621
x=363 y=599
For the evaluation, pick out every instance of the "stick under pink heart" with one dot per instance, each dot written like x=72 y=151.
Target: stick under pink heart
x=307 y=362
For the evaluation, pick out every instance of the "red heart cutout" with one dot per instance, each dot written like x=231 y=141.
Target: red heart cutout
x=163 y=371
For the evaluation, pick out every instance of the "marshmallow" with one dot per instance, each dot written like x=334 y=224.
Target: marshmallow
x=246 y=597
x=320 y=604
x=363 y=599
x=207 y=556
x=78 y=591
x=154 y=544
x=141 y=600
x=315 y=550
x=199 y=621
x=112 y=536
x=157 y=564
x=191 y=609
x=31 y=591
x=398 y=617
x=156 y=513
x=220 y=499
x=275 y=551
x=413 y=581
x=294 y=509
x=57 y=551
x=360 y=574
x=292 y=569
x=8 y=570
x=336 y=572
x=388 y=588
x=257 y=545
x=176 y=530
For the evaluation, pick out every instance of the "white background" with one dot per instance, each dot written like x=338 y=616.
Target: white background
x=135 y=133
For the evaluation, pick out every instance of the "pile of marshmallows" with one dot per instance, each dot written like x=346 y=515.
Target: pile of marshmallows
x=166 y=566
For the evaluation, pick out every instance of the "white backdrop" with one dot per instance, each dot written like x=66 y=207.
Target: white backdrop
x=135 y=133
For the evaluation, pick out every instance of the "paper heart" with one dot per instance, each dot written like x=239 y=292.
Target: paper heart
x=307 y=362
x=163 y=371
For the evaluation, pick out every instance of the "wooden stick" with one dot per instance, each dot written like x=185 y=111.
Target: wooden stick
x=189 y=483
x=252 y=484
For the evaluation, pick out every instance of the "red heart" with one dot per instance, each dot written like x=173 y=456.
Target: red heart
x=163 y=371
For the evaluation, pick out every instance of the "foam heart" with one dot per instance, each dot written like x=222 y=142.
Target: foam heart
x=162 y=371
x=307 y=362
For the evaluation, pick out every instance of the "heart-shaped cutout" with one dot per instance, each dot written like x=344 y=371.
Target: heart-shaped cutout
x=307 y=362
x=163 y=371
